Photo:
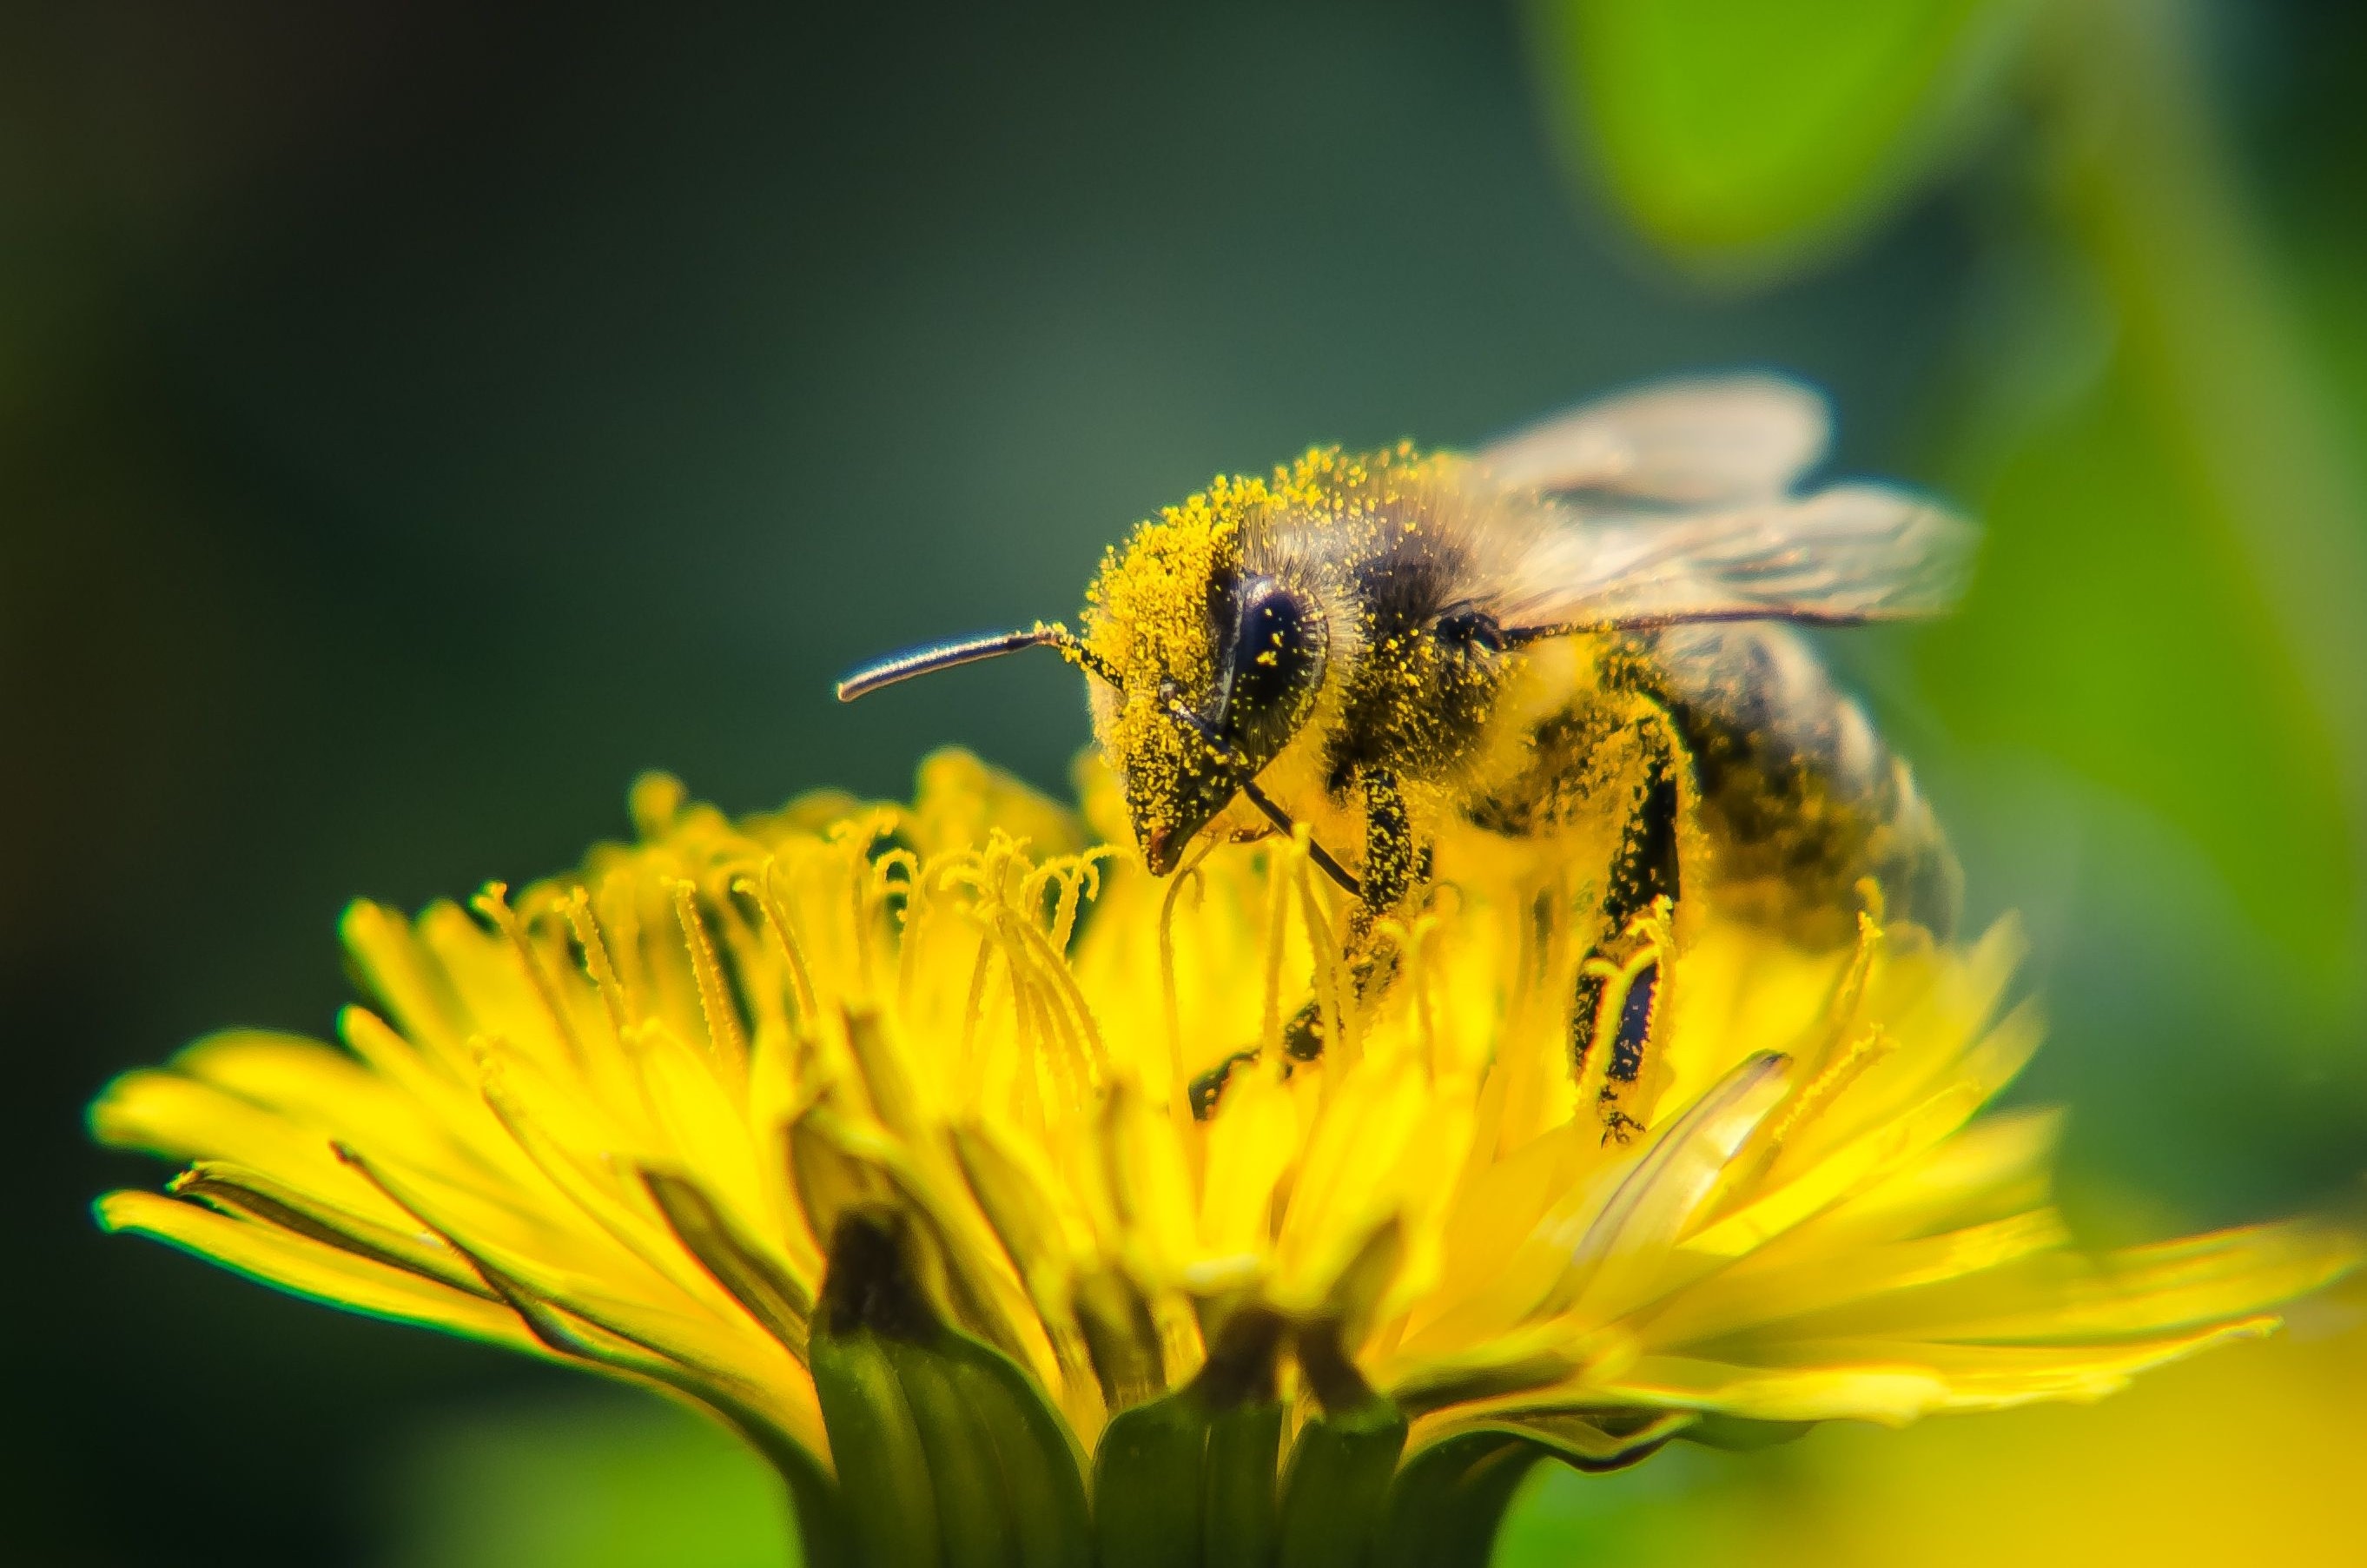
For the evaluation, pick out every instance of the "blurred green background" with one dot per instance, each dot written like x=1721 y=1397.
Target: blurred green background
x=416 y=418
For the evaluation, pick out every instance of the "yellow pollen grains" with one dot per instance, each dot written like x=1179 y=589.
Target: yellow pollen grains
x=1147 y=611
x=1147 y=615
x=865 y=1128
x=1151 y=612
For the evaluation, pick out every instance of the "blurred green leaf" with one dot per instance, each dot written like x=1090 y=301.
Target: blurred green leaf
x=2114 y=626
x=1654 y=1513
x=2168 y=581
x=1735 y=130
x=599 y=1481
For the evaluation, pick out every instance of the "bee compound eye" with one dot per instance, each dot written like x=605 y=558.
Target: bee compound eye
x=1279 y=629
x=1272 y=666
x=1467 y=627
x=1276 y=620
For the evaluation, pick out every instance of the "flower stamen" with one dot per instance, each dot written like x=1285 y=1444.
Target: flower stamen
x=494 y=905
x=785 y=934
x=1332 y=987
x=596 y=963
x=1870 y=1045
x=724 y=1035
x=1187 y=876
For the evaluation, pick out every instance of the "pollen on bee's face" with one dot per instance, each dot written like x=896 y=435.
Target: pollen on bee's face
x=1147 y=615
x=1147 y=611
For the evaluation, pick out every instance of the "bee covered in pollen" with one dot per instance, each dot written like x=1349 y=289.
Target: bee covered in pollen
x=1587 y=627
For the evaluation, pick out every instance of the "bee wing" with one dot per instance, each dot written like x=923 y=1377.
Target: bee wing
x=1690 y=440
x=1854 y=552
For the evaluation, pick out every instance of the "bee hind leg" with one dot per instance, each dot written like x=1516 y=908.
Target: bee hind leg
x=1616 y=1002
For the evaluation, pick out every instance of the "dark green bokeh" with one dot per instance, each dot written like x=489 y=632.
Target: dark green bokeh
x=414 y=422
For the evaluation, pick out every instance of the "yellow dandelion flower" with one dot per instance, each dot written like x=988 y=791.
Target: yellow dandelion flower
x=955 y=1164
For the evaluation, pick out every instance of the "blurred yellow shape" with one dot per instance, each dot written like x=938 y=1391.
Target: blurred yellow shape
x=2249 y=1457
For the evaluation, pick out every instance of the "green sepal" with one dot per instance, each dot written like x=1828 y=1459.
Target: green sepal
x=883 y=1469
x=1449 y=1499
x=1736 y=1434
x=1447 y=1503
x=946 y=1452
x=1034 y=1461
x=1337 y=1481
x=1241 y=1512
x=974 y=1524
x=1146 y=1485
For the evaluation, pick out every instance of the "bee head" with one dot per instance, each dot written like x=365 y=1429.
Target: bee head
x=1202 y=668
x=1209 y=668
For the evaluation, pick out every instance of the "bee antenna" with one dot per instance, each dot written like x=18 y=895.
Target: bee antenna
x=945 y=656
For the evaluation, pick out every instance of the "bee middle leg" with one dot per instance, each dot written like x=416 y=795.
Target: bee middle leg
x=1616 y=1002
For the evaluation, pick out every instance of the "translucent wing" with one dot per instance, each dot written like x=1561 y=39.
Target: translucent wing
x=1689 y=441
x=1854 y=553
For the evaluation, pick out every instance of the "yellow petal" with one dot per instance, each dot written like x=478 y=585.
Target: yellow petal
x=1884 y=1146
x=960 y=802
x=405 y=978
x=1620 y=1263
x=697 y=1118
x=1779 y=1283
x=1373 y=1117
x=1894 y=1380
x=2001 y=1165
x=2065 y=1298
x=1891 y=1393
x=1150 y=1187
x=307 y=1268
x=556 y=1113
x=244 y=1192
x=1250 y=1144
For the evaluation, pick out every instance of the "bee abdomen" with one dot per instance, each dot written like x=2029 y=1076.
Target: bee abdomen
x=1798 y=796
x=1795 y=796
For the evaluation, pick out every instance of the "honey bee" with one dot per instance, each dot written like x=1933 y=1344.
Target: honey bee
x=1590 y=625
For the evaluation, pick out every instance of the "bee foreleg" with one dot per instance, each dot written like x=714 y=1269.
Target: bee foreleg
x=1394 y=862
x=1390 y=853
x=1616 y=1001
